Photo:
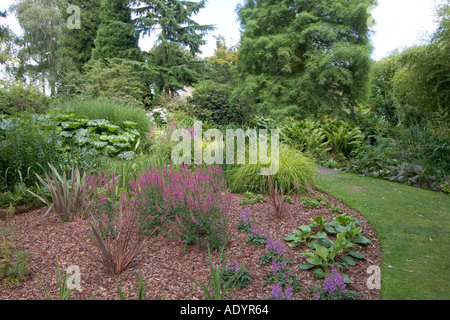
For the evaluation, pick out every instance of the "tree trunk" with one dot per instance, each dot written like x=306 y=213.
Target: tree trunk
x=165 y=54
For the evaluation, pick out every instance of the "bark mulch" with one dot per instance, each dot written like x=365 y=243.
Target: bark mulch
x=165 y=263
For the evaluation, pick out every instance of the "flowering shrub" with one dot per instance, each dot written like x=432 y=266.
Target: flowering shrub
x=257 y=237
x=245 y=224
x=279 y=294
x=282 y=275
x=189 y=204
x=237 y=273
x=274 y=252
x=103 y=196
x=334 y=288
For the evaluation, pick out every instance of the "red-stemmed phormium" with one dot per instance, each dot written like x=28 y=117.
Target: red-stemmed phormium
x=117 y=251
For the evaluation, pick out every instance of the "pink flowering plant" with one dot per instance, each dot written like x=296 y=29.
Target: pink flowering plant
x=189 y=204
x=103 y=194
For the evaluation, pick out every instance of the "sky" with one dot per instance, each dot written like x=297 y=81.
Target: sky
x=398 y=24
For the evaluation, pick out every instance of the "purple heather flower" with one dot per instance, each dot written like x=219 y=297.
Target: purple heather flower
x=269 y=245
x=288 y=293
x=232 y=267
x=329 y=286
x=275 y=267
x=277 y=292
x=338 y=280
x=276 y=246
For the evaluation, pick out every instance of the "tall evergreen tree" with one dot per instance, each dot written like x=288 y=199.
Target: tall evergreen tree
x=301 y=56
x=173 y=19
x=116 y=35
x=77 y=44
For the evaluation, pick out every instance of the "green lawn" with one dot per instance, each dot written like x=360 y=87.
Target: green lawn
x=413 y=226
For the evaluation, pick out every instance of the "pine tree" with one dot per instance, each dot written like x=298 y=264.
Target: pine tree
x=173 y=19
x=303 y=56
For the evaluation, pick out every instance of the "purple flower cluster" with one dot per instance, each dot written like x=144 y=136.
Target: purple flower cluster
x=245 y=217
x=277 y=268
x=275 y=246
x=232 y=267
x=335 y=284
x=257 y=232
x=278 y=294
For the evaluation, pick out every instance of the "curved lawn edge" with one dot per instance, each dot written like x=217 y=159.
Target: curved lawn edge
x=413 y=226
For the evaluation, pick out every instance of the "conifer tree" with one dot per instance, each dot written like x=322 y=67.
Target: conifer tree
x=303 y=56
x=116 y=35
x=172 y=21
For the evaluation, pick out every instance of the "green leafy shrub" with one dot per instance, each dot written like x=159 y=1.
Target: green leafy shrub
x=18 y=195
x=416 y=156
x=343 y=138
x=17 y=97
x=14 y=263
x=295 y=171
x=236 y=273
x=27 y=144
x=307 y=136
x=323 y=139
x=251 y=198
x=117 y=79
x=213 y=102
x=328 y=253
x=257 y=237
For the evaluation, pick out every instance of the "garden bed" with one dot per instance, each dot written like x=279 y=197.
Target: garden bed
x=165 y=263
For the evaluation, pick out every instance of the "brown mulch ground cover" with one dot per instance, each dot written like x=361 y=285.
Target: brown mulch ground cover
x=165 y=263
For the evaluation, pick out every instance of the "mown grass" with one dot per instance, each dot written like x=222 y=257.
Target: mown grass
x=413 y=226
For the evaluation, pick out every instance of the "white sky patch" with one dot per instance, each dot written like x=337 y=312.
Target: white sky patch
x=399 y=24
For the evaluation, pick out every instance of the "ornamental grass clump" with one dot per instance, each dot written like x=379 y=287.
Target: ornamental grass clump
x=68 y=199
x=188 y=204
